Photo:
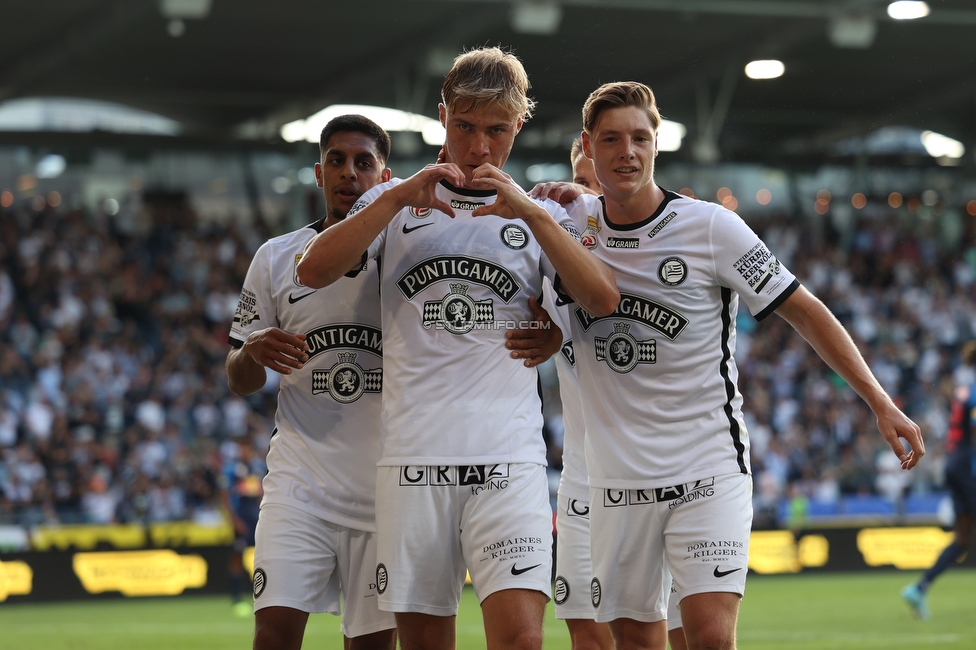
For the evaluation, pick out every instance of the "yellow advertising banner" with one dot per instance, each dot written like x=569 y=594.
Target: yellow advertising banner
x=46 y=538
x=186 y=533
x=905 y=548
x=140 y=573
x=778 y=551
x=16 y=579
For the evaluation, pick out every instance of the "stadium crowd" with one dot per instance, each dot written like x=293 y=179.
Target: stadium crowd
x=114 y=404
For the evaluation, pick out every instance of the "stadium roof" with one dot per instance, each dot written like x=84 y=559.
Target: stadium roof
x=224 y=68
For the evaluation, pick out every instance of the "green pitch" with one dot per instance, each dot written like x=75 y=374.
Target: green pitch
x=808 y=612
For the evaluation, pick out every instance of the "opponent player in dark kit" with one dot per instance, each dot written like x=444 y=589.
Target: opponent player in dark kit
x=960 y=473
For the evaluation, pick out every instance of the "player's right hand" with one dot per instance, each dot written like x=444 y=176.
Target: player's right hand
x=535 y=344
x=895 y=426
x=559 y=191
x=277 y=349
x=419 y=191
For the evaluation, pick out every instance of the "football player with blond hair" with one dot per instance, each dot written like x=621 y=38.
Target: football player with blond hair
x=461 y=484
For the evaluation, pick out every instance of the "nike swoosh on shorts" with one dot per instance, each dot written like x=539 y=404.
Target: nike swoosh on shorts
x=517 y=571
x=722 y=574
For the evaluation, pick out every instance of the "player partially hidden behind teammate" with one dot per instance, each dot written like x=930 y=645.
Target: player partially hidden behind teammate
x=462 y=482
x=960 y=473
x=240 y=494
x=315 y=534
x=571 y=593
x=583 y=172
x=667 y=452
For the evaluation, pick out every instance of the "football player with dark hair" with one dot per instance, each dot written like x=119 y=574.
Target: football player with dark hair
x=315 y=538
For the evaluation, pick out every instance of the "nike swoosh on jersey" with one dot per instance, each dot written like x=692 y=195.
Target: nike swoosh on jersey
x=292 y=300
x=409 y=230
x=517 y=571
x=722 y=574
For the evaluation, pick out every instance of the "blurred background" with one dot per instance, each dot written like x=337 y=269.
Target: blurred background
x=147 y=148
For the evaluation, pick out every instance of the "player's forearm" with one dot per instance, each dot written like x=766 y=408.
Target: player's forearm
x=588 y=280
x=336 y=250
x=815 y=323
x=244 y=375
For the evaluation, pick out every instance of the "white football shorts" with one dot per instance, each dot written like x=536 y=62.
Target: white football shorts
x=696 y=534
x=304 y=562
x=571 y=591
x=435 y=522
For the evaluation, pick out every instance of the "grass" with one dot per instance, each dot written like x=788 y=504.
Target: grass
x=807 y=612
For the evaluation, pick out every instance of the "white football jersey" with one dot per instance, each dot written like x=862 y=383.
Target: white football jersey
x=327 y=427
x=658 y=376
x=451 y=287
x=572 y=479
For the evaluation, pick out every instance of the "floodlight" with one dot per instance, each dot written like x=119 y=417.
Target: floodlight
x=942 y=146
x=765 y=69
x=908 y=10
x=669 y=135
x=390 y=119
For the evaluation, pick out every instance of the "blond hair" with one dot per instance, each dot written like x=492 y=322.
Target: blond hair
x=488 y=77
x=575 y=151
x=616 y=95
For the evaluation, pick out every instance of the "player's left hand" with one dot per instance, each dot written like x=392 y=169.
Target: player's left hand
x=512 y=201
x=895 y=426
x=559 y=191
x=535 y=344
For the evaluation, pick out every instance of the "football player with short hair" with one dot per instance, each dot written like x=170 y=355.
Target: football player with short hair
x=462 y=482
x=667 y=451
x=315 y=534
x=571 y=592
x=583 y=172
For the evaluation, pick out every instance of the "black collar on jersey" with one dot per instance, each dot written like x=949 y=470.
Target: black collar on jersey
x=463 y=191
x=317 y=226
x=668 y=197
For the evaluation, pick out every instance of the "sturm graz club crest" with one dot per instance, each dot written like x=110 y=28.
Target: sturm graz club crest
x=346 y=381
x=382 y=578
x=560 y=592
x=672 y=271
x=514 y=236
x=260 y=582
x=457 y=311
x=623 y=352
x=596 y=592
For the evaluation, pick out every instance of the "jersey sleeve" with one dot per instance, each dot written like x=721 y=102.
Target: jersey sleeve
x=745 y=264
x=563 y=218
x=583 y=213
x=256 y=306
x=376 y=248
x=584 y=210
